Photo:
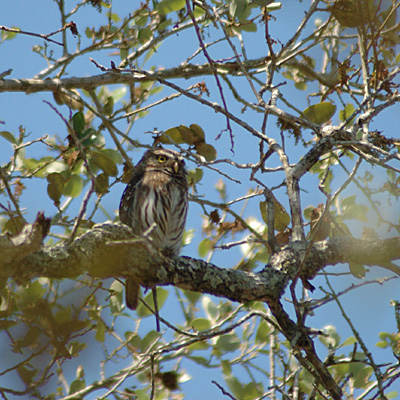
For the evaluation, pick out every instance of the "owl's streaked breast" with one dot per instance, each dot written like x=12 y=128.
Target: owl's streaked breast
x=163 y=206
x=154 y=203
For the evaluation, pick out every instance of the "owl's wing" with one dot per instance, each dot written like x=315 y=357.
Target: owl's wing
x=128 y=198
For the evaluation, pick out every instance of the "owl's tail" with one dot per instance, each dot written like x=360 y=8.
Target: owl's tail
x=132 y=291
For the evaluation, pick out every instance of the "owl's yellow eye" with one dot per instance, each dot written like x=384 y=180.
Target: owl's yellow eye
x=162 y=159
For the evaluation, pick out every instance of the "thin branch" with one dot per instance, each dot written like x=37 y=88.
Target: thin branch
x=89 y=172
x=223 y=391
x=214 y=70
x=367 y=353
x=40 y=35
x=4 y=178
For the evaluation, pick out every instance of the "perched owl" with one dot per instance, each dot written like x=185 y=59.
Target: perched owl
x=157 y=194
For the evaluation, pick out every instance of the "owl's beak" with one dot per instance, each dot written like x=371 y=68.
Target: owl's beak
x=175 y=166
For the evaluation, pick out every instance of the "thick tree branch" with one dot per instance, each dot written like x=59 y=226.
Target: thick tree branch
x=14 y=249
x=109 y=250
x=113 y=78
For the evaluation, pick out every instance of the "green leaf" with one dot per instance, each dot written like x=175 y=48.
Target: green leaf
x=56 y=166
x=101 y=160
x=237 y=8
x=332 y=340
x=116 y=299
x=210 y=308
x=247 y=27
x=274 y=6
x=263 y=332
x=31 y=294
x=57 y=179
x=88 y=137
x=77 y=325
x=235 y=386
x=54 y=193
x=320 y=113
x=195 y=176
x=9 y=35
x=193 y=297
x=55 y=187
x=361 y=379
x=31 y=164
x=76 y=347
x=144 y=35
x=161 y=27
x=346 y=13
x=173 y=135
x=228 y=343
x=349 y=341
x=349 y=201
x=206 y=150
x=8 y=136
x=142 y=18
x=391 y=175
x=307 y=212
x=342 y=370
x=149 y=341
x=26 y=374
x=108 y=107
x=78 y=122
x=133 y=339
x=100 y=332
x=114 y=155
x=14 y=225
x=357 y=270
x=80 y=372
x=357 y=211
x=123 y=53
x=226 y=367
x=118 y=94
x=281 y=217
x=198 y=133
x=73 y=186
x=101 y=184
x=89 y=33
x=253 y=391
x=7 y=324
x=360 y=213
x=385 y=336
x=201 y=324
x=76 y=386
x=199 y=346
x=31 y=336
x=115 y=17
x=205 y=246
x=188 y=236
x=262 y=3
x=162 y=295
x=301 y=85
x=346 y=112
x=167 y=6
x=156 y=90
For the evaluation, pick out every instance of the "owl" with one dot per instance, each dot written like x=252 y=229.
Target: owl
x=157 y=197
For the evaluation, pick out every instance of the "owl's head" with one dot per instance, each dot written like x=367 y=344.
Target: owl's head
x=163 y=160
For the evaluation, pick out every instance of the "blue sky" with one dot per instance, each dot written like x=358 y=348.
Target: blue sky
x=368 y=307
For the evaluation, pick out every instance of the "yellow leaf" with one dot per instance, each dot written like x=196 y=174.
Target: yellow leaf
x=320 y=113
x=281 y=217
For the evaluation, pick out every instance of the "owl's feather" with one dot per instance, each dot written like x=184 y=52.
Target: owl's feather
x=156 y=195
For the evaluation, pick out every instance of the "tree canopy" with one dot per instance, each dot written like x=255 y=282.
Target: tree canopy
x=287 y=116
